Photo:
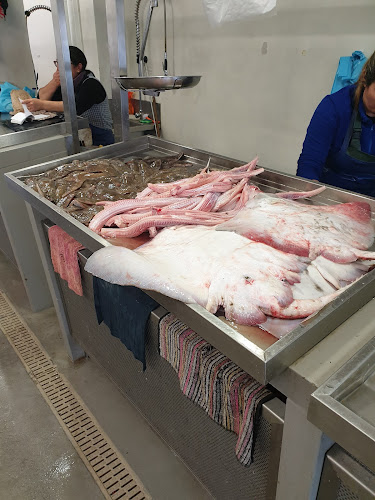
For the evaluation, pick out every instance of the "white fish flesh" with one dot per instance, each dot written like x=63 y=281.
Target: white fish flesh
x=250 y=280
x=341 y=233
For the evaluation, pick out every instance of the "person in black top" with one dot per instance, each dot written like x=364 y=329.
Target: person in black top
x=90 y=95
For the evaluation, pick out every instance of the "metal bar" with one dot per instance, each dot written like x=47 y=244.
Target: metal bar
x=66 y=80
x=117 y=55
x=274 y=412
x=303 y=450
x=329 y=407
x=74 y=350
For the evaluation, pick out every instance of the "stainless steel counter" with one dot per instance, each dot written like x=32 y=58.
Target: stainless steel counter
x=344 y=406
x=256 y=352
x=10 y=138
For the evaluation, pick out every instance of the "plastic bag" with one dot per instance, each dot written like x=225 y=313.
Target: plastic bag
x=348 y=70
x=6 y=105
x=225 y=11
x=5 y=100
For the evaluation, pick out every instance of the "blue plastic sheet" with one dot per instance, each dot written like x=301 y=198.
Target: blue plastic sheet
x=348 y=70
x=5 y=100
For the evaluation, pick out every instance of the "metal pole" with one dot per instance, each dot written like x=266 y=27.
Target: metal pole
x=117 y=56
x=66 y=81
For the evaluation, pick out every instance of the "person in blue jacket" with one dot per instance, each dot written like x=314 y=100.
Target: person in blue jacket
x=339 y=148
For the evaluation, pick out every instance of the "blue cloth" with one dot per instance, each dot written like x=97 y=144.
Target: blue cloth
x=6 y=105
x=348 y=70
x=125 y=310
x=101 y=136
x=327 y=130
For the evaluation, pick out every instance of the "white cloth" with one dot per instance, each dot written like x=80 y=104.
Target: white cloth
x=20 y=118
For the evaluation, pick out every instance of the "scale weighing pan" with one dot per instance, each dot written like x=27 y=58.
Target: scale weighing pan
x=158 y=83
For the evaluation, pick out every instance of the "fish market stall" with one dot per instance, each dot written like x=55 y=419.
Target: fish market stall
x=258 y=353
x=97 y=215
x=261 y=355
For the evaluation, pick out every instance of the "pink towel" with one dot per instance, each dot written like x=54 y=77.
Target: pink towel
x=64 y=257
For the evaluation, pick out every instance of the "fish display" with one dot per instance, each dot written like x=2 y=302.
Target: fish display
x=263 y=259
x=249 y=280
x=76 y=187
x=216 y=239
x=341 y=233
x=208 y=198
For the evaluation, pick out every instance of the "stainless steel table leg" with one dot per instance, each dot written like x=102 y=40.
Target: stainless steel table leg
x=21 y=237
x=302 y=454
x=74 y=350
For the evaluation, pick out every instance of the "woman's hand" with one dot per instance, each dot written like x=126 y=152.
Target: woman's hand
x=46 y=92
x=34 y=104
x=38 y=104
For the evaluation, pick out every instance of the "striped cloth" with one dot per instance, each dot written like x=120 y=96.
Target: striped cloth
x=229 y=395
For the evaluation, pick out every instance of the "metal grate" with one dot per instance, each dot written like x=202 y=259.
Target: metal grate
x=345 y=493
x=110 y=471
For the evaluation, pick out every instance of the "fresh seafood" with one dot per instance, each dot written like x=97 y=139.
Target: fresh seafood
x=250 y=280
x=214 y=196
x=341 y=233
x=208 y=198
x=78 y=186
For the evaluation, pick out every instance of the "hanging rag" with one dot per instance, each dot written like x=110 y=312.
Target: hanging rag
x=348 y=70
x=64 y=257
x=125 y=310
x=230 y=396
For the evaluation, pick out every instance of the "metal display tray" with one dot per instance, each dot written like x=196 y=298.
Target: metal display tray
x=344 y=406
x=36 y=131
x=157 y=82
x=257 y=352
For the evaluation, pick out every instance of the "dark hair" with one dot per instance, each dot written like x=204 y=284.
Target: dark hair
x=366 y=78
x=77 y=56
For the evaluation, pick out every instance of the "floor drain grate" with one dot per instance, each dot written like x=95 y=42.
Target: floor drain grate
x=109 y=469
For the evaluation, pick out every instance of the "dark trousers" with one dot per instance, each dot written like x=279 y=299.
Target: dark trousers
x=101 y=136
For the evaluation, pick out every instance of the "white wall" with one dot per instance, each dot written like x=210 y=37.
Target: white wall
x=42 y=40
x=86 y=25
x=261 y=78
x=94 y=39
x=15 y=58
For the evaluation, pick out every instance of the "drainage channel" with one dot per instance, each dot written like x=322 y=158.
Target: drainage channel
x=109 y=469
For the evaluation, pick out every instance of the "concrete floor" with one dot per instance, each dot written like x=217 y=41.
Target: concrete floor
x=37 y=461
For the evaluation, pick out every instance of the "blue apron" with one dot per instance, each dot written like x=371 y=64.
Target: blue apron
x=350 y=168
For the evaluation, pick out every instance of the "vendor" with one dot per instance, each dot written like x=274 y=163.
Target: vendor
x=91 y=98
x=339 y=148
